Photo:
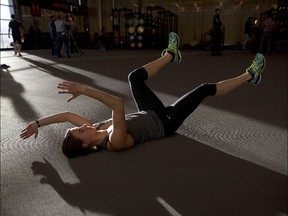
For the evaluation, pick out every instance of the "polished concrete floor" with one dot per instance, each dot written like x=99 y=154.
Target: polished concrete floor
x=228 y=158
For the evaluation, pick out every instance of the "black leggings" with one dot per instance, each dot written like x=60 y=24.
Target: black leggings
x=171 y=116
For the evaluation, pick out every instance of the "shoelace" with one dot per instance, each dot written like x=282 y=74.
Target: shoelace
x=172 y=43
x=254 y=66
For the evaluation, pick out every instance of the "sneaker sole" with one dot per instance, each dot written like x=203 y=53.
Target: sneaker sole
x=178 y=40
x=260 y=74
x=178 y=52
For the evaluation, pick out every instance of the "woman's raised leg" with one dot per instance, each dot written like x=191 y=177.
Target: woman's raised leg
x=170 y=54
x=143 y=96
x=184 y=106
x=252 y=75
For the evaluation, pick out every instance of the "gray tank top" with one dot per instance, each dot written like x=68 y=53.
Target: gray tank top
x=142 y=126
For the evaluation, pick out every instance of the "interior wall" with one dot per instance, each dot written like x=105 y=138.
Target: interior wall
x=95 y=22
x=93 y=17
x=106 y=12
x=195 y=17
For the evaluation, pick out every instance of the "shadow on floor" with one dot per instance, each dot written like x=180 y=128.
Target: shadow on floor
x=192 y=179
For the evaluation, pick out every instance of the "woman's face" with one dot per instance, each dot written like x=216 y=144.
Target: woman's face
x=84 y=133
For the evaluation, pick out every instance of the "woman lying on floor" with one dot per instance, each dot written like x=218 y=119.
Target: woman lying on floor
x=152 y=121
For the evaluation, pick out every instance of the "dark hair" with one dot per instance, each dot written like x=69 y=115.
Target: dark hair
x=72 y=147
x=217 y=9
x=13 y=16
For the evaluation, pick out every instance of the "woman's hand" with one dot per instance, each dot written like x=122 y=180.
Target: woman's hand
x=75 y=89
x=31 y=129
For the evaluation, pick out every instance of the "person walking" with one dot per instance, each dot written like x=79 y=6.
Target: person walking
x=152 y=121
x=16 y=28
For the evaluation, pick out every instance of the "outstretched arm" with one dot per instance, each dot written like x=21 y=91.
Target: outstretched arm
x=77 y=89
x=118 y=137
x=32 y=128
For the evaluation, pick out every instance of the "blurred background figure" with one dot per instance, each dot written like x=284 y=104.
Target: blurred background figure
x=53 y=34
x=62 y=37
x=247 y=32
x=103 y=39
x=16 y=28
x=268 y=28
x=216 y=33
x=72 y=34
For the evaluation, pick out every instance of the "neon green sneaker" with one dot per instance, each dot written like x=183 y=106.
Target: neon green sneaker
x=256 y=68
x=173 y=48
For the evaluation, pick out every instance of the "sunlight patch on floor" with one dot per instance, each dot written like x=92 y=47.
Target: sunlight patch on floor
x=168 y=207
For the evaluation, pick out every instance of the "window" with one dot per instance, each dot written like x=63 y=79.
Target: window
x=7 y=8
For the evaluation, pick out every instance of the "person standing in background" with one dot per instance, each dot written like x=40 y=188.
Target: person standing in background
x=31 y=38
x=103 y=39
x=216 y=33
x=16 y=28
x=53 y=34
x=268 y=29
x=247 y=32
x=62 y=37
x=72 y=34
